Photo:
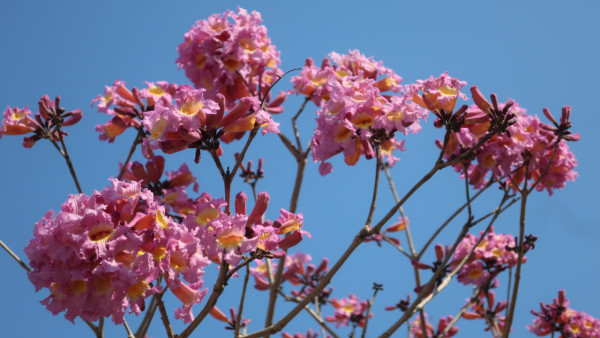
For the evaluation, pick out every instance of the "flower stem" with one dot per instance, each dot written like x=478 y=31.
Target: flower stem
x=513 y=300
x=238 y=320
x=138 y=140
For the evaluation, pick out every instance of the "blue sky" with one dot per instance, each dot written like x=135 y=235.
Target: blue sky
x=540 y=53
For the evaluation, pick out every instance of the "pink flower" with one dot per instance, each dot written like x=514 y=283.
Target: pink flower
x=558 y=317
x=350 y=309
x=102 y=254
x=230 y=54
x=527 y=142
x=489 y=258
x=355 y=117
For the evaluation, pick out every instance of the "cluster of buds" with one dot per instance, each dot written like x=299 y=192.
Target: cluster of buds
x=45 y=124
x=231 y=320
x=247 y=172
x=558 y=317
x=522 y=148
x=171 y=191
x=298 y=272
x=355 y=117
x=416 y=328
x=486 y=308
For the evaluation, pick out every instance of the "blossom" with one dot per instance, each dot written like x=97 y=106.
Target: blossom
x=492 y=255
x=230 y=54
x=102 y=254
x=527 y=147
x=350 y=309
x=355 y=117
x=439 y=95
x=558 y=317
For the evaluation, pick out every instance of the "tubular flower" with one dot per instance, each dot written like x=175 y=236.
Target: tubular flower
x=102 y=254
x=229 y=54
x=228 y=237
x=347 y=310
x=437 y=94
x=355 y=118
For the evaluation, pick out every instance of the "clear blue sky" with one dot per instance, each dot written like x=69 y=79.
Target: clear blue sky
x=540 y=53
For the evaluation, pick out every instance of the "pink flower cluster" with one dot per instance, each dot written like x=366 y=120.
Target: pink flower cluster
x=527 y=147
x=558 y=317
x=416 y=328
x=230 y=54
x=176 y=117
x=354 y=116
x=103 y=253
x=490 y=256
x=45 y=124
x=347 y=310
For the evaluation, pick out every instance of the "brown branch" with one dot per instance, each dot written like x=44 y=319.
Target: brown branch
x=163 y=315
x=238 y=320
x=210 y=303
x=136 y=141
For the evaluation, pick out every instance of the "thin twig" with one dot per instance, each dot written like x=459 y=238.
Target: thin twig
x=375 y=186
x=164 y=316
x=136 y=141
x=364 y=233
x=515 y=291
x=63 y=152
x=399 y=248
x=145 y=324
x=411 y=246
x=369 y=306
x=129 y=333
x=15 y=257
x=238 y=320
x=456 y=213
x=101 y=327
x=430 y=291
x=462 y=310
x=316 y=315
x=294 y=126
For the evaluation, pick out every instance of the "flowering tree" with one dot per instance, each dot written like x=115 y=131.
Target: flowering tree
x=121 y=249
